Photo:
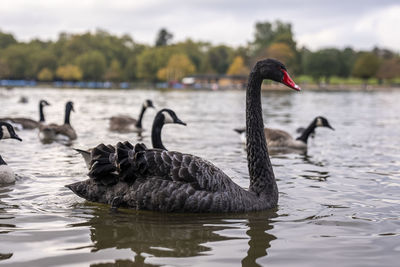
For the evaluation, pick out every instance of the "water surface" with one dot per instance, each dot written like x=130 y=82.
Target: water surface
x=339 y=202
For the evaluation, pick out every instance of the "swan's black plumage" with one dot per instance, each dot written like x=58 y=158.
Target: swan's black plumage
x=170 y=181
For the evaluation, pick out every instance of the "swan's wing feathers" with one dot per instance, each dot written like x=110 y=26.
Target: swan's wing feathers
x=129 y=160
x=178 y=167
x=102 y=164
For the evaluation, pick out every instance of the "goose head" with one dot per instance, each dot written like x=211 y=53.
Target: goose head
x=148 y=104
x=322 y=122
x=43 y=103
x=169 y=116
x=70 y=106
x=274 y=70
x=7 y=131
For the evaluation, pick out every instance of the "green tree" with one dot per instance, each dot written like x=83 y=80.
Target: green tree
x=323 y=63
x=281 y=51
x=220 y=57
x=69 y=73
x=179 y=66
x=366 y=65
x=45 y=75
x=114 y=72
x=17 y=59
x=347 y=58
x=93 y=65
x=267 y=33
x=150 y=61
x=6 y=39
x=4 y=70
x=389 y=69
x=163 y=37
x=237 y=67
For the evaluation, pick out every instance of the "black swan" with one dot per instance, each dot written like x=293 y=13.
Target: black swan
x=278 y=139
x=26 y=123
x=6 y=173
x=52 y=132
x=163 y=116
x=124 y=123
x=169 y=181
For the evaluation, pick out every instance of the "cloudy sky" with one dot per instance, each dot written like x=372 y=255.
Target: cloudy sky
x=361 y=24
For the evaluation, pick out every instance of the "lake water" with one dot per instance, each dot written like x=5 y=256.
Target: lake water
x=339 y=202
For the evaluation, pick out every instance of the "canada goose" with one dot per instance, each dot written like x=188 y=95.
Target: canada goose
x=124 y=123
x=279 y=139
x=6 y=173
x=169 y=181
x=26 y=123
x=162 y=117
x=54 y=131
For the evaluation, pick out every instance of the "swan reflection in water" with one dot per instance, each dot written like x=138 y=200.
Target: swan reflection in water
x=155 y=235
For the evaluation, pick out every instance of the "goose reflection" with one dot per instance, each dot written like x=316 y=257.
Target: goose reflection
x=175 y=235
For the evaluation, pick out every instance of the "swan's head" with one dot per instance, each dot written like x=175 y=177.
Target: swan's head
x=274 y=70
x=7 y=131
x=169 y=116
x=322 y=122
x=43 y=103
x=70 y=106
x=148 y=104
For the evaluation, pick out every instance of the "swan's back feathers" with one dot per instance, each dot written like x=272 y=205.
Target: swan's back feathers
x=102 y=165
x=139 y=163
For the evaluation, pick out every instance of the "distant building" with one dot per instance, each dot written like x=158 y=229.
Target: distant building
x=215 y=81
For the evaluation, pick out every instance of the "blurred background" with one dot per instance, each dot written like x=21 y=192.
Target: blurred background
x=213 y=44
x=339 y=200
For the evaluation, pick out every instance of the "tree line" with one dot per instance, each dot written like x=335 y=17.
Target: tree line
x=101 y=56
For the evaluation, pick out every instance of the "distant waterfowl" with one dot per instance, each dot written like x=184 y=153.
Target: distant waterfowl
x=6 y=173
x=124 y=123
x=162 y=117
x=169 y=181
x=52 y=132
x=279 y=139
x=26 y=123
x=23 y=100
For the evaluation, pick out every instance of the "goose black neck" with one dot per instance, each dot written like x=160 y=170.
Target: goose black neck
x=2 y=162
x=262 y=179
x=41 y=115
x=139 y=122
x=156 y=132
x=67 y=115
x=309 y=130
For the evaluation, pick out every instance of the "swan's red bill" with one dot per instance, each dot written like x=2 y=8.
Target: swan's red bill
x=289 y=82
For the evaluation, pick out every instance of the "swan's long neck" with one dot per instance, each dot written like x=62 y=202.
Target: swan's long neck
x=262 y=179
x=67 y=115
x=139 y=121
x=156 y=133
x=41 y=115
x=304 y=136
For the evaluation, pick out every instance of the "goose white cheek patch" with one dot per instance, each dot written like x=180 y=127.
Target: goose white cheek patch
x=6 y=133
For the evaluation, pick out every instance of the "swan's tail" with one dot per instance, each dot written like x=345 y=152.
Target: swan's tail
x=129 y=159
x=102 y=165
x=240 y=130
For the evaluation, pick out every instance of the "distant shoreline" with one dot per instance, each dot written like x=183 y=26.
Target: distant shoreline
x=265 y=87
